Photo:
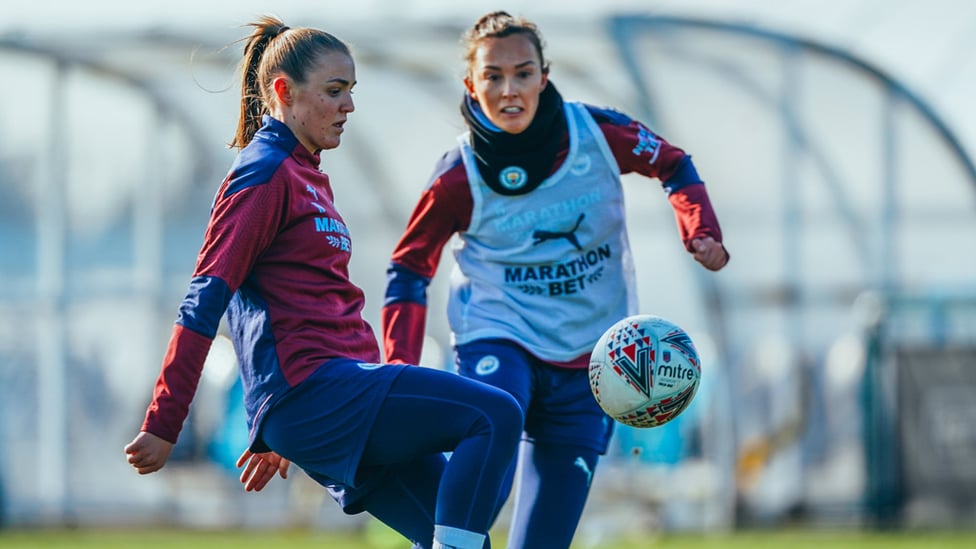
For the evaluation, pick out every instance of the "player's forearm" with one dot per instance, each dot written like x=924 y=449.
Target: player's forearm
x=694 y=214
x=404 y=325
x=177 y=383
x=404 y=315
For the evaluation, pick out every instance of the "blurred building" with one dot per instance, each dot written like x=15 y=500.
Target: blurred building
x=838 y=346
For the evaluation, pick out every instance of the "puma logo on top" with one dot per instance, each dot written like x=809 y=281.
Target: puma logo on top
x=541 y=236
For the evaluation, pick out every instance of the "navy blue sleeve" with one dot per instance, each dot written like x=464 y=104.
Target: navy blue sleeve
x=405 y=285
x=684 y=175
x=204 y=305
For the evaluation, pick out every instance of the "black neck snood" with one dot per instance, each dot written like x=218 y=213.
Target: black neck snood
x=513 y=164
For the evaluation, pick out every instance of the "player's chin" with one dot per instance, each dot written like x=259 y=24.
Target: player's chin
x=330 y=142
x=515 y=127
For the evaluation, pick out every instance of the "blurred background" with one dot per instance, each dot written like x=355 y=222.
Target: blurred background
x=836 y=140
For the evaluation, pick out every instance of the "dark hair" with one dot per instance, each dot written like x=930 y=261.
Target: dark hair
x=499 y=24
x=273 y=49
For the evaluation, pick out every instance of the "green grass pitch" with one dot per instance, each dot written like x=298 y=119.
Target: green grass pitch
x=377 y=538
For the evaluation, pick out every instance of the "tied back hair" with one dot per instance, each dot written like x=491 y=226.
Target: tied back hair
x=499 y=24
x=271 y=50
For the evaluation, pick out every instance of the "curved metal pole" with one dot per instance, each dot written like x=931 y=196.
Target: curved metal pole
x=626 y=25
x=163 y=105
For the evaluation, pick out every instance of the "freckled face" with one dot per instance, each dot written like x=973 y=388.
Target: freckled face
x=506 y=78
x=317 y=109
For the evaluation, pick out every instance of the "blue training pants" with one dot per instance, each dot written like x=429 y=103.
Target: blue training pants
x=403 y=478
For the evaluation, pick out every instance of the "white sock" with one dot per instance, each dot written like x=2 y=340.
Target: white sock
x=447 y=537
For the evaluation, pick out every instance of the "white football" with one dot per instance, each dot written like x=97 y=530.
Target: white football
x=644 y=371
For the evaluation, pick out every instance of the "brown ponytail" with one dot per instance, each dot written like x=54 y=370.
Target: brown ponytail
x=273 y=49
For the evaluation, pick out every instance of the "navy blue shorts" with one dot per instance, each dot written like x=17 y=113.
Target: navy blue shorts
x=374 y=435
x=558 y=403
x=323 y=423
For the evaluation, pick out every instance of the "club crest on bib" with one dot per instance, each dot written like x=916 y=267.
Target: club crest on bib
x=487 y=365
x=581 y=165
x=513 y=177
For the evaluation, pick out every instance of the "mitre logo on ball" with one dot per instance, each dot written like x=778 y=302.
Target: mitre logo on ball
x=644 y=371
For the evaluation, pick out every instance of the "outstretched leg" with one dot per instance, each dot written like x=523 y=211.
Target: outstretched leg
x=406 y=499
x=429 y=411
x=554 y=481
x=395 y=469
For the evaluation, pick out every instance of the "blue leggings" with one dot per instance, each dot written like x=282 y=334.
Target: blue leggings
x=410 y=485
x=565 y=434
x=553 y=485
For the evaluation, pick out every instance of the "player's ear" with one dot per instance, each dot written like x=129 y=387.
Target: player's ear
x=282 y=90
x=469 y=85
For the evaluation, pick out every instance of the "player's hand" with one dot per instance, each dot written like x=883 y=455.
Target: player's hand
x=148 y=453
x=710 y=253
x=260 y=469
